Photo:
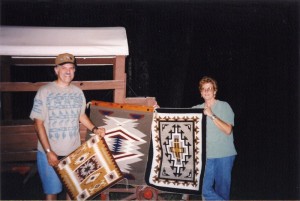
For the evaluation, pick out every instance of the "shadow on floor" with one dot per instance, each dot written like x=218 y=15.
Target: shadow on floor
x=14 y=188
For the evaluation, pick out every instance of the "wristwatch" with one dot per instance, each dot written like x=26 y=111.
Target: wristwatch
x=213 y=117
x=94 y=129
x=48 y=150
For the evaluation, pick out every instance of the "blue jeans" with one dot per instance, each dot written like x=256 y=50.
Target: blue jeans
x=217 y=178
x=51 y=182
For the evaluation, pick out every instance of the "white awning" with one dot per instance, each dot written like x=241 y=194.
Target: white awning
x=51 y=41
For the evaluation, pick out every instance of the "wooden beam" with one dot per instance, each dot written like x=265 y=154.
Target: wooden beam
x=19 y=142
x=119 y=74
x=28 y=61
x=84 y=85
x=6 y=97
x=18 y=156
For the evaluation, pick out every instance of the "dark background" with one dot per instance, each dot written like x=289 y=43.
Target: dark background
x=250 y=47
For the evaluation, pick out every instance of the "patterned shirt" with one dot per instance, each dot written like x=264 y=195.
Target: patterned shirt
x=59 y=108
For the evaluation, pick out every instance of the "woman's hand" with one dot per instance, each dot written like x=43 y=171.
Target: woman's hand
x=208 y=111
x=155 y=106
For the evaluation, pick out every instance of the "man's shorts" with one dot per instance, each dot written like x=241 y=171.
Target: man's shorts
x=51 y=182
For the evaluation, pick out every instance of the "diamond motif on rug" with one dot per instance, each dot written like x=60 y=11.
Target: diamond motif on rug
x=89 y=170
x=177 y=152
x=128 y=129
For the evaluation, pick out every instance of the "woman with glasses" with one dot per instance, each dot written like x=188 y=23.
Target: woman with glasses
x=220 y=149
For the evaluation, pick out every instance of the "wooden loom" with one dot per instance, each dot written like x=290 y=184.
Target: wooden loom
x=38 y=46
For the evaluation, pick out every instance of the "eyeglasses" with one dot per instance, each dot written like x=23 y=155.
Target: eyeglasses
x=207 y=89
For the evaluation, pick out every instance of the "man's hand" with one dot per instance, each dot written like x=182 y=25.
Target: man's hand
x=100 y=131
x=52 y=158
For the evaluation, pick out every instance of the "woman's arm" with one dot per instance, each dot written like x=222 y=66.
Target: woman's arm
x=223 y=126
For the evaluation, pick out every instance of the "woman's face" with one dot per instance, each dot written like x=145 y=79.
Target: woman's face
x=207 y=91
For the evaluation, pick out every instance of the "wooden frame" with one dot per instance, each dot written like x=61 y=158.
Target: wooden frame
x=18 y=142
x=38 y=46
x=118 y=84
x=27 y=46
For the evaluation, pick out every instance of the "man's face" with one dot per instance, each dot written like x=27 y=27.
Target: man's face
x=65 y=73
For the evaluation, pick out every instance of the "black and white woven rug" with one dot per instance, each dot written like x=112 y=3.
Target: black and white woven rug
x=177 y=154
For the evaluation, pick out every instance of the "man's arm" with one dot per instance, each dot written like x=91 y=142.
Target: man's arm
x=88 y=123
x=42 y=135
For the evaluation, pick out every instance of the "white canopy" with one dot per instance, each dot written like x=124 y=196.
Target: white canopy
x=51 y=41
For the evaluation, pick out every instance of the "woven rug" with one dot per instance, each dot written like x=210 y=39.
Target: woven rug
x=177 y=152
x=128 y=131
x=88 y=170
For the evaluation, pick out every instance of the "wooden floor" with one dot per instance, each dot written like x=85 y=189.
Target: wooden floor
x=18 y=186
x=14 y=188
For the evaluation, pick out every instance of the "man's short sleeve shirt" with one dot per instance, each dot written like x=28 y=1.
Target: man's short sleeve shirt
x=60 y=108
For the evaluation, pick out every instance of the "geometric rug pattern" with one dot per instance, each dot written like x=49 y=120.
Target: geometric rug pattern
x=88 y=170
x=128 y=130
x=177 y=153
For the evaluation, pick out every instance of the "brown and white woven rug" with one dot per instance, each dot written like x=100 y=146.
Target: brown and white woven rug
x=89 y=170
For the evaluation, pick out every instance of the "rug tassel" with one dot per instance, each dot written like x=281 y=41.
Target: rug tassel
x=88 y=105
x=126 y=183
